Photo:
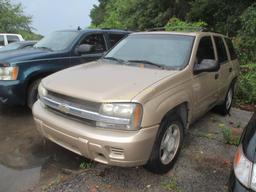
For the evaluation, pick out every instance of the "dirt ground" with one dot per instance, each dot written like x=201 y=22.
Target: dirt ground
x=27 y=163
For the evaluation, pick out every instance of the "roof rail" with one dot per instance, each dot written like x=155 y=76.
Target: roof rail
x=180 y=28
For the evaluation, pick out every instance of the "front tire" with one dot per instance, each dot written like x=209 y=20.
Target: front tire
x=32 y=94
x=167 y=145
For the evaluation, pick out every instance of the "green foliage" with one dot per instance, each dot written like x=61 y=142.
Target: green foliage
x=246 y=40
x=175 y=24
x=13 y=20
x=228 y=137
x=221 y=16
x=86 y=165
x=171 y=185
x=246 y=92
x=137 y=14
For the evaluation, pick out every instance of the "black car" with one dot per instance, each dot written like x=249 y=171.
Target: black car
x=243 y=176
x=22 y=70
x=17 y=45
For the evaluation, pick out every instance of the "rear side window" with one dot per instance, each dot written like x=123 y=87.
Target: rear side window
x=1 y=40
x=205 y=49
x=221 y=49
x=115 y=38
x=231 y=49
x=12 y=38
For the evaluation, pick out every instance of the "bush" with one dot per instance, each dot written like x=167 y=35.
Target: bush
x=175 y=24
x=246 y=92
x=246 y=39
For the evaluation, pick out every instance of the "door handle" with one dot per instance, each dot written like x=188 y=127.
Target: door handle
x=230 y=69
x=216 y=76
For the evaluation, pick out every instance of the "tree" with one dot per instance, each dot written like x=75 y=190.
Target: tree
x=13 y=20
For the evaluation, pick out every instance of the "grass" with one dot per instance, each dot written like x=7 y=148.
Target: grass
x=228 y=136
x=86 y=165
x=171 y=185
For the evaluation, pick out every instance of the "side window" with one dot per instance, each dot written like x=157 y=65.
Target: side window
x=12 y=38
x=205 y=49
x=97 y=40
x=221 y=49
x=231 y=49
x=1 y=40
x=115 y=38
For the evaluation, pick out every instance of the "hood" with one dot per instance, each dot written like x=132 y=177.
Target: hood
x=21 y=55
x=104 y=82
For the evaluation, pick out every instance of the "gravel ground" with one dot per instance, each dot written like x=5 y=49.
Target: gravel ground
x=203 y=165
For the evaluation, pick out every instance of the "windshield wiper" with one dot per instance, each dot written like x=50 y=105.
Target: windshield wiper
x=148 y=63
x=114 y=59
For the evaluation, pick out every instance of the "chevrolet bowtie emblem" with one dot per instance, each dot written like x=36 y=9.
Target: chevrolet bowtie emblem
x=64 y=108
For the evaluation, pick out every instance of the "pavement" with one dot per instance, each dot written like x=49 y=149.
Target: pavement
x=29 y=163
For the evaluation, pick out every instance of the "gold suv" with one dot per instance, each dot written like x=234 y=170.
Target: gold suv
x=132 y=107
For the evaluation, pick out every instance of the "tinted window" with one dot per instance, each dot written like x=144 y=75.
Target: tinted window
x=1 y=40
x=171 y=51
x=205 y=49
x=12 y=38
x=221 y=49
x=97 y=40
x=115 y=38
x=231 y=49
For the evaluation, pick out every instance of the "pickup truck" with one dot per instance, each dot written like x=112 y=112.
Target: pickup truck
x=22 y=70
x=133 y=106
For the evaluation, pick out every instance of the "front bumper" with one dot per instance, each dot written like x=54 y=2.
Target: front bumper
x=108 y=146
x=12 y=93
x=235 y=185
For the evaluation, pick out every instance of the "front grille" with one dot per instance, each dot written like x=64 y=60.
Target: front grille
x=56 y=103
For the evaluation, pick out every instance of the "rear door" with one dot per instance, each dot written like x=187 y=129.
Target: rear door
x=205 y=84
x=99 y=42
x=225 y=74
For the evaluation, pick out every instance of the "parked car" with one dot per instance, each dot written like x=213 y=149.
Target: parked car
x=7 y=38
x=243 y=176
x=133 y=106
x=17 y=45
x=22 y=70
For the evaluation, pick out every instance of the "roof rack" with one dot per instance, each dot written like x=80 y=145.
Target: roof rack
x=188 y=29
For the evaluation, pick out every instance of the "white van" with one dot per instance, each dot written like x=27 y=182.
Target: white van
x=7 y=38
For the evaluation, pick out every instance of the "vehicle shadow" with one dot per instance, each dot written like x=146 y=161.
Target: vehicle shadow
x=14 y=111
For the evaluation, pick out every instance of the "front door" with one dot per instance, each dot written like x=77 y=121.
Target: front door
x=98 y=41
x=205 y=84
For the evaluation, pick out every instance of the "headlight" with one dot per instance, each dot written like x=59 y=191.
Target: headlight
x=42 y=92
x=121 y=116
x=9 y=73
x=244 y=169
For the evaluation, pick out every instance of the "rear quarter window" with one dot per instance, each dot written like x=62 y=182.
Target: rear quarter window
x=231 y=49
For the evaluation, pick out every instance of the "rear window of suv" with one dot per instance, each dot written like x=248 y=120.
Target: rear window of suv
x=231 y=49
x=221 y=49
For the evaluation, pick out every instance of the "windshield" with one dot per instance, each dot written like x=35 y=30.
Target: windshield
x=166 y=50
x=57 y=41
x=10 y=47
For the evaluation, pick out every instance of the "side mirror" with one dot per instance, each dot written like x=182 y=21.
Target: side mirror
x=84 y=48
x=207 y=65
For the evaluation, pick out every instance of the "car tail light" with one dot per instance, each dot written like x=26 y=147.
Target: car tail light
x=244 y=169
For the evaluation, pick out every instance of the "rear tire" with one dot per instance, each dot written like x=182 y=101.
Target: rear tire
x=225 y=107
x=167 y=145
x=32 y=94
